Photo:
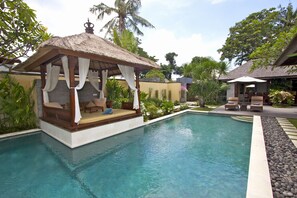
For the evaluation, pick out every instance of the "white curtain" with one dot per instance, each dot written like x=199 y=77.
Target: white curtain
x=83 y=66
x=51 y=80
x=93 y=78
x=104 y=79
x=66 y=70
x=128 y=73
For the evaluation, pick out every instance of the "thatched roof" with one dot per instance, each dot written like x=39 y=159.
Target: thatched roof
x=289 y=55
x=262 y=73
x=102 y=53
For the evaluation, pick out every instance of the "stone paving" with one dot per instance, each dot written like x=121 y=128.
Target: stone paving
x=282 y=159
x=289 y=129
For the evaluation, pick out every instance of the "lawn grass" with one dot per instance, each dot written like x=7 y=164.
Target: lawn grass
x=293 y=121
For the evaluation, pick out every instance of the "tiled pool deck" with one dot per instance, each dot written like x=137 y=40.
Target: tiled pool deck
x=259 y=178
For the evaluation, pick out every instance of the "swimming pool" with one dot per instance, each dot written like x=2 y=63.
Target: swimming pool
x=190 y=155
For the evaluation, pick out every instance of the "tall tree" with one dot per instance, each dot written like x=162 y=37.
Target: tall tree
x=127 y=16
x=252 y=32
x=267 y=53
x=260 y=36
x=205 y=72
x=167 y=70
x=20 y=32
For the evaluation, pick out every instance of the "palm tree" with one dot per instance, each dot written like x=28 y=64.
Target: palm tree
x=288 y=16
x=127 y=16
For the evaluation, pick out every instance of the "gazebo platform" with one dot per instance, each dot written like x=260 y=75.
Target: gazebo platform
x=81 y=137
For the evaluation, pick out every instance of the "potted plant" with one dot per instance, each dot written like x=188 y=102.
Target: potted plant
x=113 y=89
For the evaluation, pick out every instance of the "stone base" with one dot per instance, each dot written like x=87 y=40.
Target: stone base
x=86 y=136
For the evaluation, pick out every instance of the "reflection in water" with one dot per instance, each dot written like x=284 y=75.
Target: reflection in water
x=79 y=156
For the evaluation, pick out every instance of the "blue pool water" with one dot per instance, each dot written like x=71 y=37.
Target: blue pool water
x=187 y=156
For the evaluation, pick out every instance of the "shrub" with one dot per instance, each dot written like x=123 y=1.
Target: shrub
x=183 y=107
x=16 y=106
x=278 y=97
x=167 y=107
x=176 y=103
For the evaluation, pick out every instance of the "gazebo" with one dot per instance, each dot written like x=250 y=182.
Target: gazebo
x=84 y=56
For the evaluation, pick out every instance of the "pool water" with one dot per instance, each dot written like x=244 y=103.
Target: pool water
x=190 y=155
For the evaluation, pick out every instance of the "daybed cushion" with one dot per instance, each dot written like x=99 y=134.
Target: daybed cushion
x=108 y=111
x=53 y=105
x=99 y=102
x=90 y=104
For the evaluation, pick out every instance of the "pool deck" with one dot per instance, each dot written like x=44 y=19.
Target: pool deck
x=290 y=112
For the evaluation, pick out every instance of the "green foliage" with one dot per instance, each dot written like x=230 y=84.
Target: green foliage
x=267 y=54
x=176 y=103
x=262 y=36
x=167 y=107
x=126 y=40
x=280 y=98
x=125 y=16
x=20 y=31
x=16 y=106
x=184 y=107
x=167 y=70
x=252 y=32
x=155 y=73
x=206 y=91
x=143 y=96
x=114 y=89
x=202 y=68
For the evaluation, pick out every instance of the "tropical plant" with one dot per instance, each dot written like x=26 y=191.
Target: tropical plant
x=183 y=107
x=126 y=40
x=281 y=98
x=154 y=73
x=205 y=71
x=167 y=107
x=20 y=31
x=114 y=89
x=16 y=106
x=126 y=16
x=206 y=91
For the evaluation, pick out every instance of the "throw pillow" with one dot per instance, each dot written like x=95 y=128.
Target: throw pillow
x=108 y=111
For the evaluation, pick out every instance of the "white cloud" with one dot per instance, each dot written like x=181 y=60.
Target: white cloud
x=216 y=1
x=161 y=41
x=168 y=4
x=66 y=17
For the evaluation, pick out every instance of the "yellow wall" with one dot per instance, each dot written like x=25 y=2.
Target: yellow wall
x=27 y=81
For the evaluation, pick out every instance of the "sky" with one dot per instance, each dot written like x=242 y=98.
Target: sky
x=187 y=27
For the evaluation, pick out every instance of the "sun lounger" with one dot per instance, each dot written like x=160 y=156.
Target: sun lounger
x=232 y=103
x=256 y=103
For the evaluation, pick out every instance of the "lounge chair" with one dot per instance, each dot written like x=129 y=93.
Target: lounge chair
x=232 y=103
x=256 y=103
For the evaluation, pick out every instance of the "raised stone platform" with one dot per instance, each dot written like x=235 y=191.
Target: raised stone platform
x=86 y=136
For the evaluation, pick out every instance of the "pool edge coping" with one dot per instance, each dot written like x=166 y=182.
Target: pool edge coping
x=18 y=133
x=259 y=181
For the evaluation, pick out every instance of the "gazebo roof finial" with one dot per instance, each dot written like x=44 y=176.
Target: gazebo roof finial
x=89 y=27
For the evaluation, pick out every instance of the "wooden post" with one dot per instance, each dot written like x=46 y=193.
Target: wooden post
x=138 y=89
x=72 y=61
x=42 y=73
x=100 y=76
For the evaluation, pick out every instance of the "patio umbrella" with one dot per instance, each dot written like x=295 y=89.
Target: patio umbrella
x=246 y=79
